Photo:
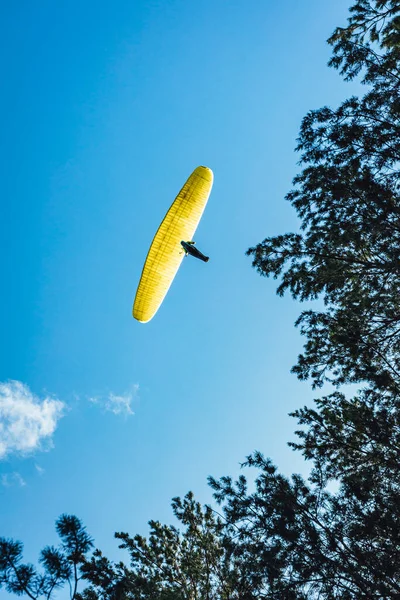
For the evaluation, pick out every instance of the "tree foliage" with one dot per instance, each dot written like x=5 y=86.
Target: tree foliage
x=60 y=565
x=302 y=542
x=198 y=562
x=347 y=198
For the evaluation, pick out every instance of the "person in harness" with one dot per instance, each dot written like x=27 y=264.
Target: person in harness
x=189 y=248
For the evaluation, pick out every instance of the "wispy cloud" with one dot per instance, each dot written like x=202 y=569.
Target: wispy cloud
x=39 y=469
x=10 y=479
x=118 y=404
x=26 y=421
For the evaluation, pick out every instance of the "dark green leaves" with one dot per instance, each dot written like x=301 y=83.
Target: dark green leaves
x=60 y=565
x=347 y=199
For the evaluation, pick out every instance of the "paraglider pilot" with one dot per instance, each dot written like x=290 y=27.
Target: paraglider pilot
x=190 y=249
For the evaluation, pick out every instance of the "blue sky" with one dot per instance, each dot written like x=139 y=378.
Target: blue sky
x=106 y=110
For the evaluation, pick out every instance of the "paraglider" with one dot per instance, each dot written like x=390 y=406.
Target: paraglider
x=171 y=243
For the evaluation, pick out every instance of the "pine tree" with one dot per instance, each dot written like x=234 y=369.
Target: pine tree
x=61 y=565
x=347 y=199
x=195 y=563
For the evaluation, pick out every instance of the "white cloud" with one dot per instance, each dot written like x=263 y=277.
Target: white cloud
x=39 y=469
x=118 y=404
x=9 y=479
x=25 y=420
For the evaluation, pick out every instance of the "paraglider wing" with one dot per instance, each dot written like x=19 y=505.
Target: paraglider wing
x=165 y=254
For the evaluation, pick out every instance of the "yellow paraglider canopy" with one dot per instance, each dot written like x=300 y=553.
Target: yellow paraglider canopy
x=165 y=254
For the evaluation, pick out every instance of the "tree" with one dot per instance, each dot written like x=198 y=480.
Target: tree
x=347 y=198
x=198 y=563
x=61 y=565
x=301 y=542
x=286 y=539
